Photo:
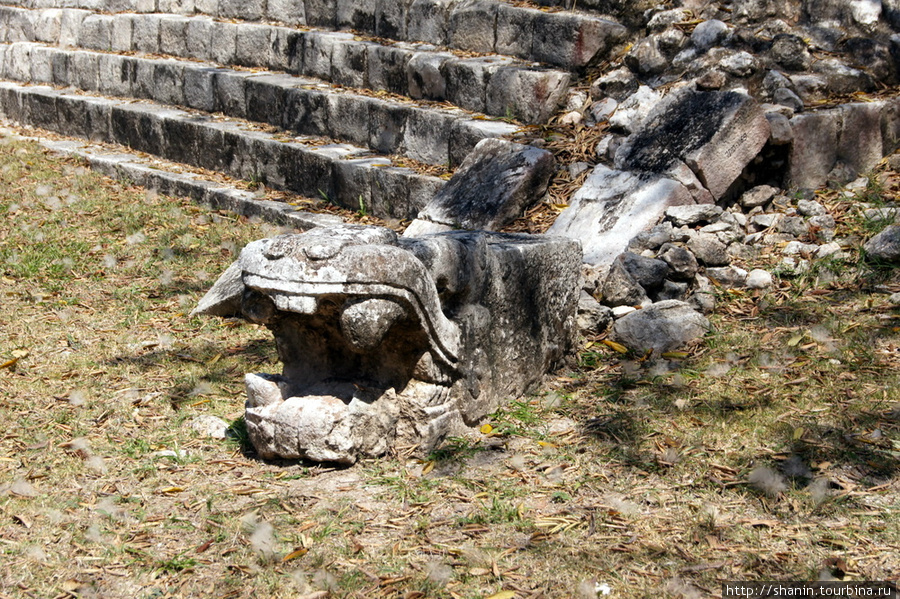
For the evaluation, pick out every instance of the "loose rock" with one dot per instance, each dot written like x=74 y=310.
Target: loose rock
x=663 y=327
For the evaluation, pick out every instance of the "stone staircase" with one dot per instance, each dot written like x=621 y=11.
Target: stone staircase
x=281 y=93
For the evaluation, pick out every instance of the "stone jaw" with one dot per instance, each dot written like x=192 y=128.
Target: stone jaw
x=391 y=341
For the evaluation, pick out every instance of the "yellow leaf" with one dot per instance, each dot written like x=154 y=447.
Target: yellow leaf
x=798 y=433
x=675 y=355
x=546 y=444
x=9 y=364
x=486 y=429
x=795 y=340
x=503 y=595
x=617 y=347
x=295 y=554
x=428 y=467
x=20 y=353
x=168 y=490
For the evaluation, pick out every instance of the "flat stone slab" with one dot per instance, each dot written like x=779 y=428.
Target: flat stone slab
x=496 y=183
x=614 y=206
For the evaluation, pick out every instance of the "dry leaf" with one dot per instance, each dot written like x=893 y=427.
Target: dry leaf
x=299 y=552
x=503 y=595
x=617 y=347
x=486 y=429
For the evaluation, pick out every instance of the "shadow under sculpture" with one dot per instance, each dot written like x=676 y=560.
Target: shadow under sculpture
x=391 y=342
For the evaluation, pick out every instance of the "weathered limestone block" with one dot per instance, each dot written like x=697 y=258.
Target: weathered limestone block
x=493 y=186
x=716 y=134
x=429 y=21
x=390 y=341
x=472 y=25
x=573 y=40
x=813 y=152
x=612 y=207
x=530 y=95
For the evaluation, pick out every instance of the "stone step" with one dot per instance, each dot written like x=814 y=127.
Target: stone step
x=301 y=105
x=344 y=174
x=493 y=84
x=569 y=39
x=175 y=180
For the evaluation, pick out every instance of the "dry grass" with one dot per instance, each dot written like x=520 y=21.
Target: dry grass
x=768 y=451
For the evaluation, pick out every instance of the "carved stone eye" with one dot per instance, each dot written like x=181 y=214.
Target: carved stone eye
x=365 y=323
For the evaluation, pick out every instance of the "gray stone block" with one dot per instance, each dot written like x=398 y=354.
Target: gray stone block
x=121 y=33
x=317 y=51
x=890 y=125
x=252 y=10
x=18 y=62
x=253 y=46
x=144 y=79
x=69 y=26
x=176 y=7
x=390 y=196
x=468 y=78
x=47 y=26
x=173 y=35
x=425 y=80
x=181 y=138
x=168 y=82
x=358 y=15
x=391 y=18
x=813 y=153
x=350 y=63
x=223 y=43
x=427 y=136
x=19 y=26
x=283 y=48
x=96 y=32
x=60 y=65
x=145 y=33
x=530 y=95
x=387 y=68
x=860 y=141
x=289 y=12
x=515 y=30
x=473 y=25
x=466 y=133
x=354 y=180
x=199 y=35
x=41 y=64
x=267 y=98
x=573 y=40
x=206 y=7
x=86 y=70
x=348 y=117
x=136 y=127
x=41 y=108
x=308 y=171
x=199 y=88
x=387 y=125
x=115 y=75
x=220 y=140
x=306 y=111
x=321 y=13
x=429 y=21
x=230 y=91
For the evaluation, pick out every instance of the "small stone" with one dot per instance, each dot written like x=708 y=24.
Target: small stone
x=648 y=272
x=796 y=248
x=672 y=290
x=730 y=277
x=810 y=208
x=692 y=214
x=653 y=239
x=764 y=221
x=885 y=246
x=662 y=327
x=828 y=249
x=711 y=80
x=704 y=296
x=634 y=109
x=708 y=250
x=681 y=261
x=708 y=34
x=210 y=426
x=617 y=84
x=620 y=311
x=758 y=279
x=758 y=196
x=571 y=118
x=793 y=225
x=593 y=318
x=894 y=299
